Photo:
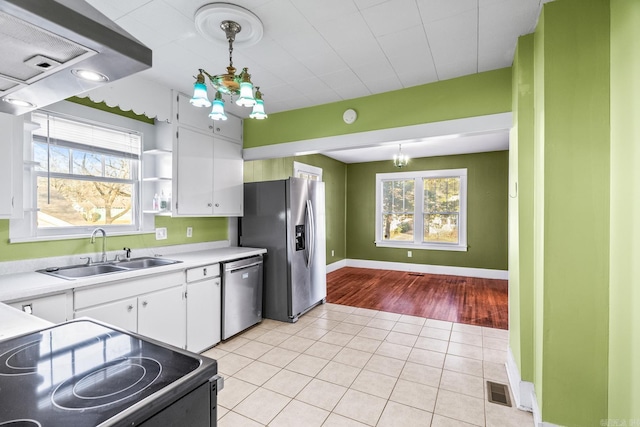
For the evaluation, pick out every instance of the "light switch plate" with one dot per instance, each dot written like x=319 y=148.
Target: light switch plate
x=161 y=233
x=189 y=231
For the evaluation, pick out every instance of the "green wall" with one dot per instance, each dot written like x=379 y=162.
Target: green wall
x=521 y=210
x=334 y=175
x=204 y=230
x=468 y=96
x=624 y=315
x=486 y=211
x=567 y=190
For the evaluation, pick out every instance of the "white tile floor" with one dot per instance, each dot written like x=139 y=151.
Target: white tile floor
x=347 y=366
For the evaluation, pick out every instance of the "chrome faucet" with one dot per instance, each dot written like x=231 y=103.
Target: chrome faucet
x=104 y=242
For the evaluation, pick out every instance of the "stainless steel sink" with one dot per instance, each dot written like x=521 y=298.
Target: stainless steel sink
x=84 y=270
x=145 y=262
x=74 y=271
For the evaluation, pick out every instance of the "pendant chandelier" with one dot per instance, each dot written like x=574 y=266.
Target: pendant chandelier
x=229 y=83
x=400 y=160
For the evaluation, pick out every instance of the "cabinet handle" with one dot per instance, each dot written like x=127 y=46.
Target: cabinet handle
x=217 y=205
x=217 y=129
x=210 y=126
x=144 y=303
x=204 y=271
x=129 y=307
x=209 y=204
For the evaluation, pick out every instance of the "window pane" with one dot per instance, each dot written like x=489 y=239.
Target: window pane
x=398 y=196
x=58 y=156
x=117 y=167
x=441 y=195
x=83 y=203
x=86 y=163
x=397 y=227
x=441 y=228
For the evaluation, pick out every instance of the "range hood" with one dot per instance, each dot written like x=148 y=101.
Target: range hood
x=48 y=46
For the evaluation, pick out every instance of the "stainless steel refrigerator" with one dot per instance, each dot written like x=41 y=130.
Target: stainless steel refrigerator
x=287 y=218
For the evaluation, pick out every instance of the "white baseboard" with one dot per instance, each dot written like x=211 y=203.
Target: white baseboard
x=336 y=265
x=429 y=269
x=524 y=393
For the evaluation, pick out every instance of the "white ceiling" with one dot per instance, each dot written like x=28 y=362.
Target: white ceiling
x=315 y=52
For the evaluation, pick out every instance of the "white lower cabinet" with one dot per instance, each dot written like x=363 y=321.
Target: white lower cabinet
x=52 y=308
x=204 y=298
x=161 y=315
x=123 y=313
x=153 y=306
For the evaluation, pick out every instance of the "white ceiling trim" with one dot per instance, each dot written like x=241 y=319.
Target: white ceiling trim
x=136 y=93
x=448 y=129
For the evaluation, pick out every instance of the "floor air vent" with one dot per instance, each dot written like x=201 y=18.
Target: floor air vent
x=498 y=393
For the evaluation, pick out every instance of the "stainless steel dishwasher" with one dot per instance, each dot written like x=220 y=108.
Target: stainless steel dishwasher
x=241 y=295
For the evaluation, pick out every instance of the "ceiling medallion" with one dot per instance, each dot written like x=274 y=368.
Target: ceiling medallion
x=224 y=21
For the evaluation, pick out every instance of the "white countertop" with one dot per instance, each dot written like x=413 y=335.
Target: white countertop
x=14 y=322
x=27 y=285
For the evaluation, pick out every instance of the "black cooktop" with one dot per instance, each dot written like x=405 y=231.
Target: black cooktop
x=83 y=373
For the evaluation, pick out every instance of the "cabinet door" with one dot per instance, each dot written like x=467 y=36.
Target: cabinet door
x=161 y=316
x=230 y=128
x=228 y=187
x=195 y=117
x=11 y=135
x=123 y=313
x=52 y=308
x=203 y=314
x=194 y=173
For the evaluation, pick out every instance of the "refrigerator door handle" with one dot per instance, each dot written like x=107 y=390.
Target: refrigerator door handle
x=312 y=231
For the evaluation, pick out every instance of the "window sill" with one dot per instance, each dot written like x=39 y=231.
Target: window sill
x=32 y=239
x=427 y=246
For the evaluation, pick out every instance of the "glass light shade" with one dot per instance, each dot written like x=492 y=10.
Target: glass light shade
x=400 y=160
x=246 y=98
x=258 y=110
x=217 y=112
x=200 y=98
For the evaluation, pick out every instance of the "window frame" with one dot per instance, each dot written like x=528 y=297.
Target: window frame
x=26 y=228
x=418 y=214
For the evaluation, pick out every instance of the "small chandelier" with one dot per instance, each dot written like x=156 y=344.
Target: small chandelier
x=230 y=83
x=400 y=160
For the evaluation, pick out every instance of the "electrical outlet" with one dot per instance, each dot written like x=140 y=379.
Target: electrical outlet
x=189 y=231
x=161 y=233
x=333 y=253
x=409 y=254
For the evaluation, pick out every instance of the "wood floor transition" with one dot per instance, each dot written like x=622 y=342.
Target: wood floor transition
x=469 y=300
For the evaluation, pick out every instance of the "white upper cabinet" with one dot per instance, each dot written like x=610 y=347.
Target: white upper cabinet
x=193 y=181
x=207 y=162
x=209 y=175
x=11 y=165
x=198 y=118
x=228 y=185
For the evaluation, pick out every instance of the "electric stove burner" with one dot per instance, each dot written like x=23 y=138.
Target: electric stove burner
x=83 y=374
x=19 y=360
x=108 y=384
x=21 y=423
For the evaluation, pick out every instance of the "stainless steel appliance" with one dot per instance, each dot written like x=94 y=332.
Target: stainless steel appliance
x=287 y=218
x=241 y=295
x=45 y=45
x=84 y=373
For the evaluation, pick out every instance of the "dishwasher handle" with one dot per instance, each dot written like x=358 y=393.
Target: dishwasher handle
x=243 y=267
x=242 y=264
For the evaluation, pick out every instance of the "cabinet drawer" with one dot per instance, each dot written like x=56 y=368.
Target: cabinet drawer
x=204 y=272
x=88 y=297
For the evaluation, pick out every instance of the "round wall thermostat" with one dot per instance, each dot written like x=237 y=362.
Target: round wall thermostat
x=349 y=116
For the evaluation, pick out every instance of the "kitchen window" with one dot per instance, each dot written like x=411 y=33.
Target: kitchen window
x=83 y=174
x=422 y=210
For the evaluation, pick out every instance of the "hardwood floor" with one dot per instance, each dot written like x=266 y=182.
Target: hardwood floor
x=469 y=300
